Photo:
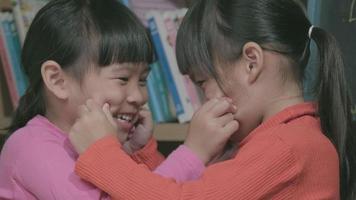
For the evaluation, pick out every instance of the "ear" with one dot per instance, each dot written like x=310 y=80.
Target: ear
x=55 y=79
x=252 y=53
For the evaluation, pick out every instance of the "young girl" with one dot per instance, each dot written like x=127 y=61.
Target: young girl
x=255 y=52
x=75 y=50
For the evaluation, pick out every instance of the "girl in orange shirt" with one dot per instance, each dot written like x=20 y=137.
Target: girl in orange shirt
x=255 y=52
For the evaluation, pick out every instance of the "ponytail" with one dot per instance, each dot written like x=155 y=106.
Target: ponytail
x=335 y=109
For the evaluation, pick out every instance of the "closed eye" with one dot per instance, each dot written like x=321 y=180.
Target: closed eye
x=143 y=82
x=123 y=80
x=200 y=83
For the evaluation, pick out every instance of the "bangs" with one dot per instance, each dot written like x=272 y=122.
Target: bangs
x=204 y=45
x=121 y=36
x=193 y=46
x=124 y=44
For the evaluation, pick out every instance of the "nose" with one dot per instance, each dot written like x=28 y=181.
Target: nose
x=137 y=95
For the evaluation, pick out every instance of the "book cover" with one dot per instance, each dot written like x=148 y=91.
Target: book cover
x=172 y=20
x=174 y=79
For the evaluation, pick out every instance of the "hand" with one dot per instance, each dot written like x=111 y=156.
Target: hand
x=142 y=132
x=93 y=123
x=211 y=127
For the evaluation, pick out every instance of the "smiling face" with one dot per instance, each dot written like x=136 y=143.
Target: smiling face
x=123 y=86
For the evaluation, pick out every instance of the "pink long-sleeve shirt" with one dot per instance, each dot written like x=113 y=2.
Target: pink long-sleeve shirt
x=37 y=162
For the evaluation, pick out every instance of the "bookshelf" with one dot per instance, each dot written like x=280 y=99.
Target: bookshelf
x=170 y=132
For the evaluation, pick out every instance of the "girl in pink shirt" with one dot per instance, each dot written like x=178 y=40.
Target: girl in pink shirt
x=73 y=51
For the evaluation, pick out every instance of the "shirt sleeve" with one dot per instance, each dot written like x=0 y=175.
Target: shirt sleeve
x=47 y=172
x=252 y=174
x=148 y=155
x=181 y=165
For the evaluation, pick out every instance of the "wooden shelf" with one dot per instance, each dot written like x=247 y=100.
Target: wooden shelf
x=170 y=132
x=5 y=5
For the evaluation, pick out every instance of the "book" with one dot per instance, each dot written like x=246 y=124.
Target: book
x=14 y=47
x=154 y=102
x=172 y=20
x=162 y=93
x=166 y=56
x=6 y=64
x=24 y=12
x=142 y=7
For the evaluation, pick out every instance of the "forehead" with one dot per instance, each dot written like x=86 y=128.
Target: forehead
x=131 y=67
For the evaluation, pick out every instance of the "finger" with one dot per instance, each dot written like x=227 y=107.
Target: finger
x=222 y=107
x=225 y=119
x=146 y=118
x=209 y=104
x=231 y=128
x=106 y=110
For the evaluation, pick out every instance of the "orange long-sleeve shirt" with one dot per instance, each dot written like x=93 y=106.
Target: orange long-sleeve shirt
x=286 y=157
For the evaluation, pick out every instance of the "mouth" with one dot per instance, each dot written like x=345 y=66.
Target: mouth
x=126 y=121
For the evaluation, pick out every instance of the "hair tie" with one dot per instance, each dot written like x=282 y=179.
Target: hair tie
x=310 y=31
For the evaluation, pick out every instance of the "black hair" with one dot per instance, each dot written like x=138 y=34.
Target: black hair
x=78 y=34
x=214 y=31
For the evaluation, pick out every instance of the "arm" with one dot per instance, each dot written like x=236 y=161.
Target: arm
x=47 y=172
x=181 y=165
x=148 y=155
x=250 y=175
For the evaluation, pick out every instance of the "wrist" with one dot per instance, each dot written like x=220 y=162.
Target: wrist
x=201 y=154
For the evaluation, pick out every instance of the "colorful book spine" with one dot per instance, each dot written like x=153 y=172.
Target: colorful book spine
x=5 y=59
x=162 y=92
x=172 y=22
x=24 y=12
x=174 y=79
x=21 y=28
x=142 y=7
x=154 y=100
x=14 y=49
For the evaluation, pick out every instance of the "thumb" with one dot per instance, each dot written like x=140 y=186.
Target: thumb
x=106 y=110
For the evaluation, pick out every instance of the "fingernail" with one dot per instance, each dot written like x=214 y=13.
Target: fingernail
x=106 y=105
x=228 y=99
x=234 y=107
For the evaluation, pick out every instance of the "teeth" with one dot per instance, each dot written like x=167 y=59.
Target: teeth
x=125 y=117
